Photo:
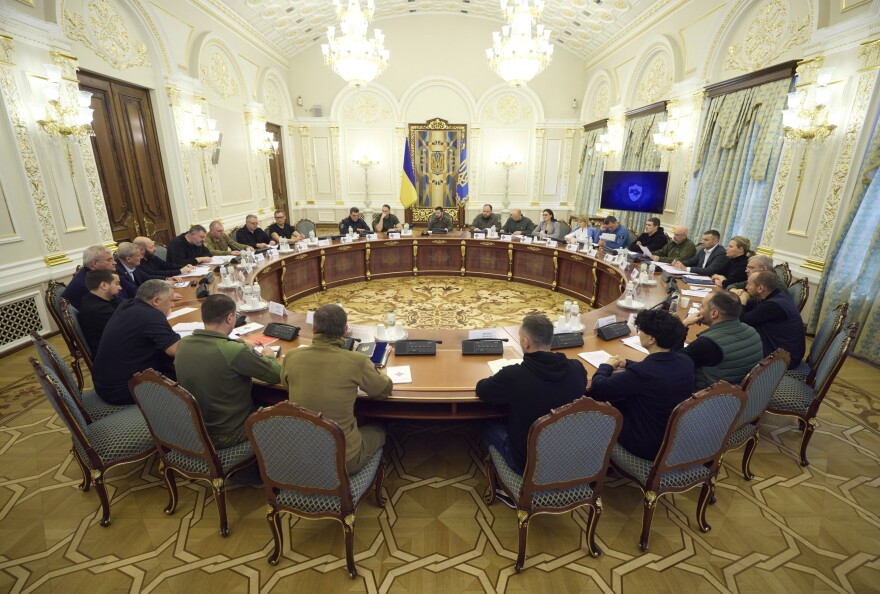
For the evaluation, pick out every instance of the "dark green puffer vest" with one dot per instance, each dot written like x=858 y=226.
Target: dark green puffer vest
x=742 y=350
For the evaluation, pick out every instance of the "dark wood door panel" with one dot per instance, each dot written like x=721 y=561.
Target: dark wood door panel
x=276 y=172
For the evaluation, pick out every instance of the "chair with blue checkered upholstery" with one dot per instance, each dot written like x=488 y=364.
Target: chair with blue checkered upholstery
x=566 y=462
x=783 y=273
x=831 y=325
x=800 y=291
x=178 y=429
x=801 y=399
x=53 y=304
x=690 y=453
x=89 y=403
x=71 y=317
x=98 y=446
x=759 y=386
x=302 y=462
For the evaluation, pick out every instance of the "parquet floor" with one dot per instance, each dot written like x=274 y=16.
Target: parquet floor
x=791 y=529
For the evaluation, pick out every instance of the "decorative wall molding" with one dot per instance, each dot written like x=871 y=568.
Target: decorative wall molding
x=7 y=50
x=216 y=74
x=308 y=165
x=337 y=164
x=656 y=83
x=566 y=165
x=508 y=109
x=367 y=108
x=539 y=164
x=105 y=32
x=102 y=219
x=183 y=149
x=780 y=183
x=767 y=38
x=602 y=101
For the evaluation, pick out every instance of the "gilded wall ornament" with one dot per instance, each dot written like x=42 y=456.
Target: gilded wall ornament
x=271 y=101
x=808 y=70
x=766 y=38
x=174 y=100
x=869 y=54
x=95 y=192
x=106 y=34
x=308 y=164
x=779 y=185
x=508 y=109
x=7 y=50
x=656 y=83
x=215 y=73
x=601 y=103
x=366 y=109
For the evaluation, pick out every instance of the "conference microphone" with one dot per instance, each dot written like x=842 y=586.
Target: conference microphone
x=480 y=339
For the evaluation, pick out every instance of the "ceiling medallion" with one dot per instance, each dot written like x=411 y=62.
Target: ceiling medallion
x=352 y=56
x=515 y=55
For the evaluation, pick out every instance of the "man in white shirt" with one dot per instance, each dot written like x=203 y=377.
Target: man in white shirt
x=707 y=261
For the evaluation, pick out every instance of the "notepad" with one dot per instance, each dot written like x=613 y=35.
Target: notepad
x=242 y=330
x=595 y=358
x=497 y=365
x=633 y=342
x=180 y=312
x=400 y=374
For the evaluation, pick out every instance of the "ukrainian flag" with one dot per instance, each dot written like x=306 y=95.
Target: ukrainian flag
x=461 y=188
x=408 y=194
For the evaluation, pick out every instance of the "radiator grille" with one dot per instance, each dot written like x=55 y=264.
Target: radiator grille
x=18 y=318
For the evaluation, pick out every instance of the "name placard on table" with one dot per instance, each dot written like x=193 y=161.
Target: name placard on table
x=394 y=235
x=479 y=236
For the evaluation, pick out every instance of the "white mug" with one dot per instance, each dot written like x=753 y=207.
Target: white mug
x=685 y=301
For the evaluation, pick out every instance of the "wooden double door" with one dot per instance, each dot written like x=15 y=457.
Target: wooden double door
x=126 y=146
x=277 y=175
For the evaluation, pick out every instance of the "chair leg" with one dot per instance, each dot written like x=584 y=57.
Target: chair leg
x=522 y=518
x=809 y=428
x=706 y=493
x=218 y=486
x=489 y=495
x=592 y=522
x=751 y=444
x=171 y=484
x=647 y=518
x=98 y=476
x=380 y=480
x=274 y=519
x=348 y=528
x=87 y=476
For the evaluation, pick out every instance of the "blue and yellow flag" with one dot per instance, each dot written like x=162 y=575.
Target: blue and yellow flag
x=408 y=194
x=461 y=188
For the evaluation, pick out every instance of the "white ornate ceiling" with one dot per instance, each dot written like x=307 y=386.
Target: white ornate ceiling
x=581 y=26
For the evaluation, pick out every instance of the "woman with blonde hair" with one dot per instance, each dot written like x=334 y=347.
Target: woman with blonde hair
x=739 y=250
x=583 y=232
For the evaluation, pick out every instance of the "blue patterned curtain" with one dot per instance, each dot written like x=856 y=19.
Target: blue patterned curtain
x=640 y=154
x=736 y=157
x=591 y=168
x=853 y=273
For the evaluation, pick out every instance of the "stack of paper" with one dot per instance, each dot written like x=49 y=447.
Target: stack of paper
x=180 y=312
x=696 y=292
x=187 y=328
x=595 y=358
x=498 y=364
x=670 y=269
x=219 y=260
x=197 y=271
x=242 y=330
x=633 y=342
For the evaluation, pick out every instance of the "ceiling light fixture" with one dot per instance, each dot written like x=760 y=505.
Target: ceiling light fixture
x=352 y=56
x=515 y=55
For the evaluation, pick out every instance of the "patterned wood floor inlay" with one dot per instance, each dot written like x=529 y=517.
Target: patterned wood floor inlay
x=791 y=529
x=440 y=302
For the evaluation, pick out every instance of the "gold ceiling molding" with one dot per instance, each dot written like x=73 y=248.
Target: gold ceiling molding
x=215 y=73
x=106 y=34
x=657 y=82
x=767 y=38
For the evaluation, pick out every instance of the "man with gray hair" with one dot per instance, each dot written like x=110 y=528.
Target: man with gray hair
x=128 y=260
x=252 y=235
x=189 y=248
x=137 y=337
x=755 y=264
x=543 y=381
x=325 y=378
x=96 y=257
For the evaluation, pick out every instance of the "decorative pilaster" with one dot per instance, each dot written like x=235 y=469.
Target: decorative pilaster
x=308 y=166
x=473 y=163
x=177 y=113
x=539 y=158
x=105 y=234
x=337 y=164
x=566 y=165
x=36 y=187
x=687 y=171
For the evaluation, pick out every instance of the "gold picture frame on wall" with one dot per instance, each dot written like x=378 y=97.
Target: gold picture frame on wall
x=435 y=150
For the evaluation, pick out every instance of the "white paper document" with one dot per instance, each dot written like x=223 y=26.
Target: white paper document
x=595 y=358
x=187 y=328
x=197 y=271
x=498 y=364
x=482 y=333
x=400 y=374
x=180 y=285
x=180 y=312
x=645 y=251
x=694 y=293
x=242 y=330
x=633 y=342
x=670 y=269
x=217 y=260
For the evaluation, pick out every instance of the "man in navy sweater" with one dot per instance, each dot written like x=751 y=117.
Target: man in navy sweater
x=647 y=392
x=542 y=382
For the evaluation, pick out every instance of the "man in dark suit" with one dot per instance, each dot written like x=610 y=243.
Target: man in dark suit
x=707 y=261
x=96 y=257
x=128 y=260
x=98 y=305
x=646 y=392
x=154 y=265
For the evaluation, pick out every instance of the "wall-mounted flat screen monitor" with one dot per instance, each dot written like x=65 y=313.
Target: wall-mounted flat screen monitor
x=640 y=191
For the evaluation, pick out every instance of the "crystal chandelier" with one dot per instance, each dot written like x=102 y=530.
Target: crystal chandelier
x=606 y=145
x=515 y=55
x=352 y=56
x=808 y=117
x=67 y=113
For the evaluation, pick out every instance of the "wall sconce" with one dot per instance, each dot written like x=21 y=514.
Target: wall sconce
x=808 y=116
x=508 y=162
x=671 y=135
x=202 y=132
x=366 y=161
x=67 y=113
x=606 y=145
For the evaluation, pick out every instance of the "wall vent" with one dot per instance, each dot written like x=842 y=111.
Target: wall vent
x=18 y=319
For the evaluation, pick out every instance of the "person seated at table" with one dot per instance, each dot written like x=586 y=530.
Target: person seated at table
x=96 y=257
x=543 y=381
x=755 y=264
x=97 y=306
x=486 y=220
x=252 y=235
x=131 y=275
x=517 y=224
x=621 y=233
x=220 y=244
x=153 y=265
x=440 y=221
x=281 y=228
x=353 y=222
x=548 y=227
x=706 y=261
x=734 y=271
x=325 y=378
x=583 y=232
x=653 y=238
x=218 y=371
x=680 y=248
x=729 y=349
x=771 y=311
x=189 y=248
x=386 y=221
x=646 y=392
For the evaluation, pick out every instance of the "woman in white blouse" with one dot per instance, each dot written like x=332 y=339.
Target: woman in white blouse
x=583 y=231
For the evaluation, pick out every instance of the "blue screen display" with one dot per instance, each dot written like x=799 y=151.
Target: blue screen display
x=640 y=191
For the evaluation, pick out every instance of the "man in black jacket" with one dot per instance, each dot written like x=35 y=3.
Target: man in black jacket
x=354 y=222
x=252 y=235
x=543 y=381
x=653 y=238
x=154 y=265
x=189 y=247
x=771 y=311
x=98 y=305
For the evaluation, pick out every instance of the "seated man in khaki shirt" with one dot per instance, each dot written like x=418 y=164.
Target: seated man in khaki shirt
x=325 y=378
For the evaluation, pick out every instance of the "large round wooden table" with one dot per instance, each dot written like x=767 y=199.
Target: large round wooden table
x=443 y=385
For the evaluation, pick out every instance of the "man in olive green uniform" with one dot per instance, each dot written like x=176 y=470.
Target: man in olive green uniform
x=517 y=224
x=220 y=244
x=680 y=248
x=325 y=378
x=217 y=371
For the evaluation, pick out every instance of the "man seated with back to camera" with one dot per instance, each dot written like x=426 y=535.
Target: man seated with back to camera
x=386 y=221
x=153 y=265
x=98 y=305
x=654 y=237
x=729 y=349
x=252 y=235
x=646 y=392
x=218 y=371
x=769 y=309
x=353 y=221
x=325 y=378
x=281 y=228
x=189 y=248
x=440 y=221
x=543 y=381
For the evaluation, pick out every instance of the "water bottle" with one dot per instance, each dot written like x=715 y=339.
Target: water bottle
x=673 y=304
x=566 y=309
x=406 y=226
x=350 y=231
x=258 y=297
x=311 y=236
x=248 y=295
x=389 y=322
x=652 y=268
x=575 y=315
x=630 y=291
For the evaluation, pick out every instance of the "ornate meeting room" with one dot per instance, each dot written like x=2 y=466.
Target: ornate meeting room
x=439 y=296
